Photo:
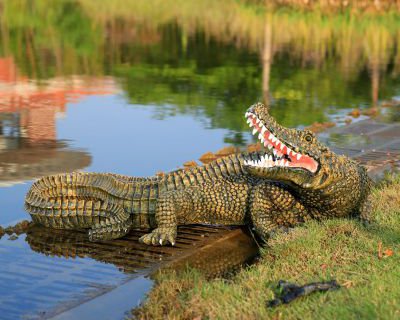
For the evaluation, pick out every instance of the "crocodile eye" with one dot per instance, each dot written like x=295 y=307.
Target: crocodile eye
x=308 y=137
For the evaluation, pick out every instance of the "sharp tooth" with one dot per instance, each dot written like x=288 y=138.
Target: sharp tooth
x=270 y=136
x=282 y=146
x=270 y=146
x=247 y=114
x=254 y=131
x=265 y=143
x=258 y=120
x=288 y=151
x=277 y=143
x=274 y=151
x=298 y=156
x=273 y=139
x=269 y=158
x=263 y=129
x=248 y=121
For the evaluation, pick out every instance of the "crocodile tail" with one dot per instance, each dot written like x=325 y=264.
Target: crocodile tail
x=83 y=200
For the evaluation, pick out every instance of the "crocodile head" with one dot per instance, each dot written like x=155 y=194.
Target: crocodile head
x=292 y=156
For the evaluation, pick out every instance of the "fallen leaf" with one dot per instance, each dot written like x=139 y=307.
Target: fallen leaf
x=254 y=147
x=355 y=113
x=190 y=163
x=208 y=157
x=348 y=284
x=371 y=112
x=226 y=151
x=388 y=253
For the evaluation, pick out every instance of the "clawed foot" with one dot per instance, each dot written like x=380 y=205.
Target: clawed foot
x=160 y=236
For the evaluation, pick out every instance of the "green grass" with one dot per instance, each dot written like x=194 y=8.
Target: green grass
x=364 y=260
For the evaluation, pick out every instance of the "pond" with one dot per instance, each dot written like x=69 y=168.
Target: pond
x=136 y=88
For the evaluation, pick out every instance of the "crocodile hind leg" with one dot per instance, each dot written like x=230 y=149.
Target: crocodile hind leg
x=114 y=224
x=273 y=208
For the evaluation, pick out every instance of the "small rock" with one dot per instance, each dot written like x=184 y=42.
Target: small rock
x=13 y=237
x=9 y=230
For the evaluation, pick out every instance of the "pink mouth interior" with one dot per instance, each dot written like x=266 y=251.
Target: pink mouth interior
x=297 y=160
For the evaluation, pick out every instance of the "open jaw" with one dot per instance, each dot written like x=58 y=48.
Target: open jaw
x=282 y=155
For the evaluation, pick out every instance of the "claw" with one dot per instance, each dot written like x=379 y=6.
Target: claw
x=159 y=236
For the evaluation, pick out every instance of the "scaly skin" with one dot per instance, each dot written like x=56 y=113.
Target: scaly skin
x=304 y=180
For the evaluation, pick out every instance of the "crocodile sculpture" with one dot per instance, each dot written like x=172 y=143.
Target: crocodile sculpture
x=295 y=179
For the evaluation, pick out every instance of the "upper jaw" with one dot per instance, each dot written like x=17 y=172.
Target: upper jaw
x=283 y=154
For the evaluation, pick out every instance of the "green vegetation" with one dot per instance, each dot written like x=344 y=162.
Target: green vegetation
x=207 y=58
x=364 y=260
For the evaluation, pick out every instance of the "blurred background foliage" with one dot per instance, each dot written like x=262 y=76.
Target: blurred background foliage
x=212 y=58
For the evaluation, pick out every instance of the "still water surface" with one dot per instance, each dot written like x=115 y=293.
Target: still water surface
x=135 y=97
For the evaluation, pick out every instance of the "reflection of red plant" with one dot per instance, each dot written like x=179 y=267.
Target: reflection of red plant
x=37 y=105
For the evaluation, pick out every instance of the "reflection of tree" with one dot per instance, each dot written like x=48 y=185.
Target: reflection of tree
x=267 y=58
x=177 y=54
x=28 y=144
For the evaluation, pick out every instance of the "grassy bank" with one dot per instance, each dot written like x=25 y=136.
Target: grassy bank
x=364 y=260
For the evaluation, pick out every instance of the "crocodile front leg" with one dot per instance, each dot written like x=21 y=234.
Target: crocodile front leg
x=272 y=207
x=170 y=206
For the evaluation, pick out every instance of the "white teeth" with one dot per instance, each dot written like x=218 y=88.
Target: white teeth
x=263 y=129
x=288 y=151
x=250 y=124
x=258 y=120
x=269 y=146
x=273 y=139
x=282 y=146
x=266 y=144
x=248 y=121
x=277 y=143
x=298 y=156
x=254 y=131
x=270 y=158
x=270 y=136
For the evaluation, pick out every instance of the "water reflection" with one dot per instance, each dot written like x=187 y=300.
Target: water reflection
x=29 y=147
